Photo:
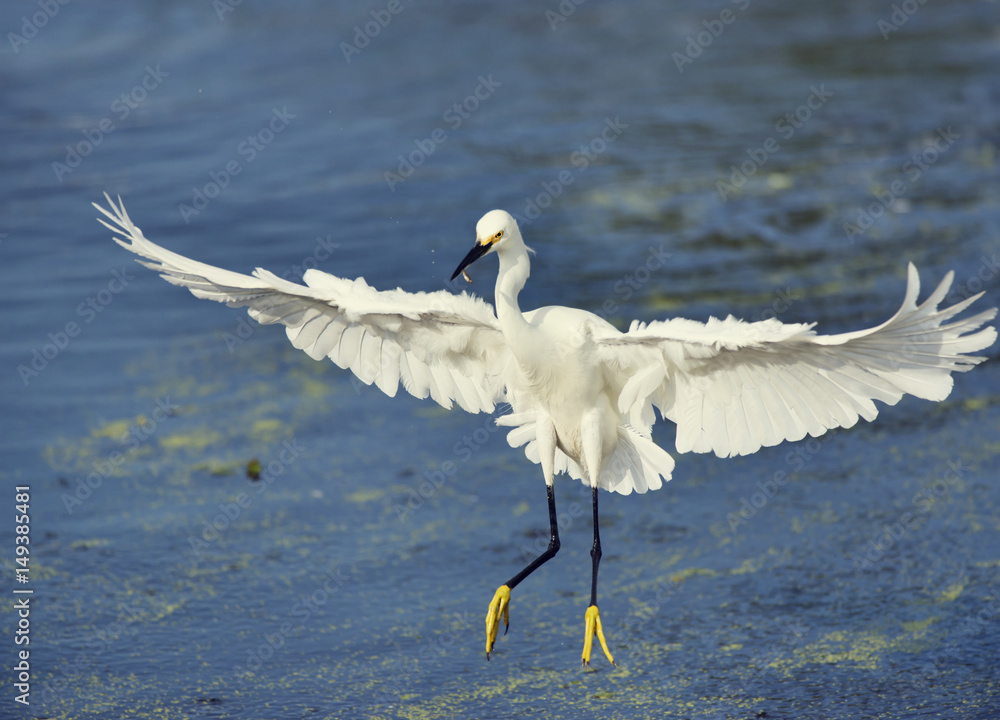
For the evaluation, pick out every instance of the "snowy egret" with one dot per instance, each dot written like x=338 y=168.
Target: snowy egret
x=582 y=394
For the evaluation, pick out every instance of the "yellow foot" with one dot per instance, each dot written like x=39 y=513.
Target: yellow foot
x=593 y=622
x=499 y=607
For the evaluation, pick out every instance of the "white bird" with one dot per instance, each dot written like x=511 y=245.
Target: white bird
x=582 y=393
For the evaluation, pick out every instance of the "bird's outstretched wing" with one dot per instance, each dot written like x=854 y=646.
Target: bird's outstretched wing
x=446 y=346
x=733 y=387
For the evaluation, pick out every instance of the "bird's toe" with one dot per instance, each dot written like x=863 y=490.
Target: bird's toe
x=592 y=622
x=499 y=608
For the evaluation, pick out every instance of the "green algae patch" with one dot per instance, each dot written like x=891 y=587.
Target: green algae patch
x=365 y=496
x=267 y=430
x=218 y=468
x=89 y=544
x=951 y=593
x=194 y=440
x=430 y=410
x=117 y=429
x=692 y=572
x=918 y=628
x=861 y=650
x=976 y=403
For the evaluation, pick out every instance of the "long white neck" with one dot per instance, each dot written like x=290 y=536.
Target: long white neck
x=514 y=271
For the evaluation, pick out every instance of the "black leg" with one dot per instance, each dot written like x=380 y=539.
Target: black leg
x=550 y=551
x=499 y=607
x=593 y=617
x=595 y=552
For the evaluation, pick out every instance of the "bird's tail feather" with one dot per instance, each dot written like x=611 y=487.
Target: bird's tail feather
x=637 y=463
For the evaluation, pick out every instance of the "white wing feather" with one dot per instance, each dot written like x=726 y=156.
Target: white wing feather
x=733 y=387
x=445 y=346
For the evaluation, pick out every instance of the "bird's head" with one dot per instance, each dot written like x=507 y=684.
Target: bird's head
x=495 y=231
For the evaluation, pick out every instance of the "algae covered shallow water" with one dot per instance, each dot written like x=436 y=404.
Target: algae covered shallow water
x=760 y=158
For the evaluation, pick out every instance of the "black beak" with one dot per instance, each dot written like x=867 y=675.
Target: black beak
x=475 y=253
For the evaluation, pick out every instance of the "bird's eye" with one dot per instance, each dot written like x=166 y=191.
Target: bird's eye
x=498 y=235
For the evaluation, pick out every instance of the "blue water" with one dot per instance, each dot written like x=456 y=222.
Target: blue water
x=739 y=137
